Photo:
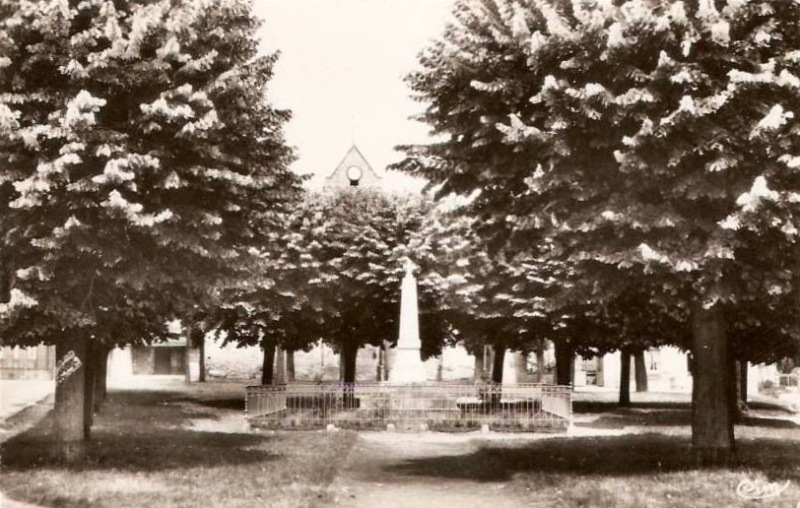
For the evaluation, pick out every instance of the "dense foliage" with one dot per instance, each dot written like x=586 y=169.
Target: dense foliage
x=333 y=272
x=140 y=162
x=646 y=136
x=653 y=145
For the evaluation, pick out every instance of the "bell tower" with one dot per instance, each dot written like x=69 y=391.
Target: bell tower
x=353 y=171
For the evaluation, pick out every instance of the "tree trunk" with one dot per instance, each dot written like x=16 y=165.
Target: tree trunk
x=520 y=367
x=6 y=272
x=498 y=362
x=349 y=355
x=101 y=375
x=280 y=365
x=564 y=363
x=386 y=362
x=625 y=377
x=104 y=370
x=735 y=392
x=640 y=370
x=201 y=346
x=187 y=359
x=268 y=364
x=712 y=425
x=600 y=373
x=379 y=367
x=743 y=395
x=290 y=366
x=540 y=365
x=478 y=374
x=89 y=388
x=69 y=414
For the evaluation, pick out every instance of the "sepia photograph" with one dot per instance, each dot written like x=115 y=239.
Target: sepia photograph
x=399 y=253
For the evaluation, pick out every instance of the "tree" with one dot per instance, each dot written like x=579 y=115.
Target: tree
x=522 y=302
x=362 y=239
x=277 y=307
x=332 y=271
x=646 y=136
x=266 y=324
x=484 y=300
x=140 y=166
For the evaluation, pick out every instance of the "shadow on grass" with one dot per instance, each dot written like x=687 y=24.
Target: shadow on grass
x=672 y=418
x=234 y=404
x=140 y=432
x=581 y=406
x=773 y=423
x=608 y=456
x=628 y=418
x=157 y=451
x=591 y=407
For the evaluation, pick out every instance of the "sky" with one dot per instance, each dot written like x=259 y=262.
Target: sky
x=341 y=74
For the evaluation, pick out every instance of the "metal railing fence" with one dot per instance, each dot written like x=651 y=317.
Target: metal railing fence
x=418 y=406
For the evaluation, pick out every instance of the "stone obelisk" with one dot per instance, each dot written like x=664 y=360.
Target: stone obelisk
x=407 y=366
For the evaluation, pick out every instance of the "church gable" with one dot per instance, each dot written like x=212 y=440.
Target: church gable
x=353 y=171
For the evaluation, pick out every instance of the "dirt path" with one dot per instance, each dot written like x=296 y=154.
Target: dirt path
x=380 y=473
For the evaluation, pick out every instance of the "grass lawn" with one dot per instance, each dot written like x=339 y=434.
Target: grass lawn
x=643 y=461
x=170 y=446
x=174 y=448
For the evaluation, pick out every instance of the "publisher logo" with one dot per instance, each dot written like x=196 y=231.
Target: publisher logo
x=760 y=489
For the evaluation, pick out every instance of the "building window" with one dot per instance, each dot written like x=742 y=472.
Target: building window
x=354 y=174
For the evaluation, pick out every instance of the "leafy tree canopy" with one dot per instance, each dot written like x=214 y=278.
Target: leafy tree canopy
x=141 y=165
x=642 y=138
